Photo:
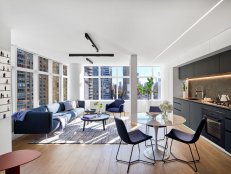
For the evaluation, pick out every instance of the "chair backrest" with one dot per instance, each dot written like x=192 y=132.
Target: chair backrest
x=154 y=109
x=118 y=102
x=122 y=130
x=199 y=130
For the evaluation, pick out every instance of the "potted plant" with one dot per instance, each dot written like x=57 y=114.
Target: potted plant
x=184 y=88
x=165 y=107
x=98 y=106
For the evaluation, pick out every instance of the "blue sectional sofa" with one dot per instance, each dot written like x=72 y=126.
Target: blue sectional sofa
x=49 y=118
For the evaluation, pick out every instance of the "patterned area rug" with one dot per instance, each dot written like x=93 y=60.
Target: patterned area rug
x=93 y=134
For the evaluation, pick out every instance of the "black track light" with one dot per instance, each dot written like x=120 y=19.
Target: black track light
x=89 y=60
x=92 y=43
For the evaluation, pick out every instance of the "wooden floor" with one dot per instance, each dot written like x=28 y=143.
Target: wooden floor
x=100 y=159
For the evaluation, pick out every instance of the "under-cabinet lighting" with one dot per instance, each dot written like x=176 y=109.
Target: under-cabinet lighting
x=211 y=77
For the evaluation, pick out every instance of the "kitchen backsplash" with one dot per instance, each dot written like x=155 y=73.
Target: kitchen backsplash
x=211 y=86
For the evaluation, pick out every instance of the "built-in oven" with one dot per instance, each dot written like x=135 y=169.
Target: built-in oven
x=215 y=127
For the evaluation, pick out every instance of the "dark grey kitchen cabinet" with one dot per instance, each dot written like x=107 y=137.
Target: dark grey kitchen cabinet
x=228 y=132
x=228 y=141
x=208 y=66
x=177 y=106
x=195 y=115
x=186 y=71
x=225 y=62
x=185 y=111
x=181 y=107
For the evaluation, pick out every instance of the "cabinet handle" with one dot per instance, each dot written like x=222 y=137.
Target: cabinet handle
x=177 y=109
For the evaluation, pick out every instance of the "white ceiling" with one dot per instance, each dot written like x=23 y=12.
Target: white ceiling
x=55 y=28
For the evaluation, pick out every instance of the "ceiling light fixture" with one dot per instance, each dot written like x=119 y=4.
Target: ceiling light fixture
x=91 y=55
x=92 y=43
x=186 y=31
x=89 y=60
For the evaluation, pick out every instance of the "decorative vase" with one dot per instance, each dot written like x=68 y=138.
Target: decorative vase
x=165 y=115
x=184 y=94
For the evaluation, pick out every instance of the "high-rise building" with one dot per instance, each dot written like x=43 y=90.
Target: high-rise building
x=106 y=83
x=91 y=91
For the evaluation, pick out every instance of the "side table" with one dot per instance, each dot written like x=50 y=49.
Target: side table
x=11 y=162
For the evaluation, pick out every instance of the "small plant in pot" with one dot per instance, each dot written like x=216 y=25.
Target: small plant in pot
x=98 y=106
x=166 y=107
x=184 y=88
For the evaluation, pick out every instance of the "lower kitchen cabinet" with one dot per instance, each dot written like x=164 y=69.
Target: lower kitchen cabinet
x=228 y=141
x=185 y=111
x=195 y=115
x=181 y=107
x=192 y=112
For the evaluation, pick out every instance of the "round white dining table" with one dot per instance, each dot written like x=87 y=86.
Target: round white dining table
x=156 y=120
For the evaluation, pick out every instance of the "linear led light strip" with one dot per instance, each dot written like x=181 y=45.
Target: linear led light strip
x=186 y=31
x=211 y=77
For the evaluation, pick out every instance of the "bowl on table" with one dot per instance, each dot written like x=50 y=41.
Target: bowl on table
x=90 y=111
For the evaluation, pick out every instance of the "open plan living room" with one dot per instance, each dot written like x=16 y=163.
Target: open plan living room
x=115 y=86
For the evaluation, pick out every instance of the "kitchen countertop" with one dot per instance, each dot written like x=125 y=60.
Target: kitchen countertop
x=204 y=102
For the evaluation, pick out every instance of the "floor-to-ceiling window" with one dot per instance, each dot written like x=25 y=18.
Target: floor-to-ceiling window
x=33 y=74
x=55 y=67
x=145 y=72
x=43 y=81
x=25 y=91
x=112 y=82
x=106 y=82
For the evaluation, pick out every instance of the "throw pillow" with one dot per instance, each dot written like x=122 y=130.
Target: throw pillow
x=77 y=104
x=69 y=105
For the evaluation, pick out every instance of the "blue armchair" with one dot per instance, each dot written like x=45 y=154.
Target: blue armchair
x=116 y=107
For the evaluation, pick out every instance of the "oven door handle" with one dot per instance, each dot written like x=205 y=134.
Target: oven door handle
x=212 y=121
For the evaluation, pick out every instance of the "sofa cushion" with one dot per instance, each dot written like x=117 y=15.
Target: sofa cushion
x=69 y=105
x=113 y=109
x=62 y=107
x=40 y=109
x=53 y=107
x=75 y=112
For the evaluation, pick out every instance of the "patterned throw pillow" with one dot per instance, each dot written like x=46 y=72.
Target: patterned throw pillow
x=69 y=105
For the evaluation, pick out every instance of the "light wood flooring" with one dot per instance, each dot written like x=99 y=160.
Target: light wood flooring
x=100 y=159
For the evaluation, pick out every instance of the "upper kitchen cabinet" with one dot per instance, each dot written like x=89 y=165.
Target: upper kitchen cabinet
x=208 y=66
x=225 y=62
x=186 y=71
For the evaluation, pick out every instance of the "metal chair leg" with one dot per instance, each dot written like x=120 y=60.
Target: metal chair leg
x=177 y=159
x=165 y=149
x=197 y=152
x=129 y=163
x=195 y=169
x=118 y=151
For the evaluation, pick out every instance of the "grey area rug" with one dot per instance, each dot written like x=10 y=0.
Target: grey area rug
x=93 y=134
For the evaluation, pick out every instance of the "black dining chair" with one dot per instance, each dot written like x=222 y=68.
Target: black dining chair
x=155 y=109
x=134 y=137
x=185 y=138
